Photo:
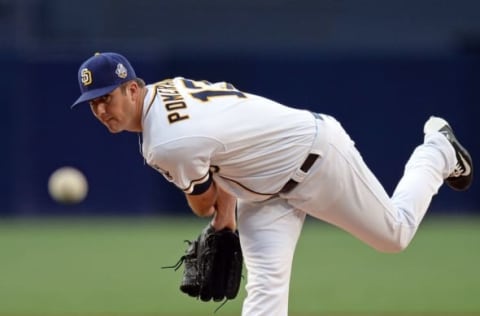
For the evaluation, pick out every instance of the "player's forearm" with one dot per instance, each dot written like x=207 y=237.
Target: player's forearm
x=203 y=204
x=225 y=211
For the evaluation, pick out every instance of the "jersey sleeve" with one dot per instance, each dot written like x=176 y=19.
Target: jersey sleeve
x=185 y=163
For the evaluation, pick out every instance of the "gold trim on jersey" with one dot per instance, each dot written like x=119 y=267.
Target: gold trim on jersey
x=246 y=188
x=154 y=95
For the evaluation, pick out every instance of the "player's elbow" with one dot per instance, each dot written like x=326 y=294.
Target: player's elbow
x=200 y=207
x=202 y=211
x=203 y=204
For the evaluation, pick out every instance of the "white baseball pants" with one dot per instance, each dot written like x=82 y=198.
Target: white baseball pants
x=341 y=190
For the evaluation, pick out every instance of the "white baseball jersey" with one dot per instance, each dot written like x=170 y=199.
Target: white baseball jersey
x=194 y=131
x=282 y=164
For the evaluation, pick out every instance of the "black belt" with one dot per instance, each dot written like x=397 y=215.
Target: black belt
x=307 y=164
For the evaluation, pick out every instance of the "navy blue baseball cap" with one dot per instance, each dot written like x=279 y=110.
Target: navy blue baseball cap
x=101 y=74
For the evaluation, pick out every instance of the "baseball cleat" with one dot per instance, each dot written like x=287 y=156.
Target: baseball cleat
x=461 y=177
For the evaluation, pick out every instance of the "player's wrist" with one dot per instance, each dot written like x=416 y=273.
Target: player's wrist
x=220 y=222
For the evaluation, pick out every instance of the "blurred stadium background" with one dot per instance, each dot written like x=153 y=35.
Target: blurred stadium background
x=380 y=67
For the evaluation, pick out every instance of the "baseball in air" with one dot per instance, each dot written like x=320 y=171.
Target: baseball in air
x=68 y=185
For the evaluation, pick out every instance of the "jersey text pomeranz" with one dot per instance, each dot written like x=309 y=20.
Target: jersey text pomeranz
x=172 y=100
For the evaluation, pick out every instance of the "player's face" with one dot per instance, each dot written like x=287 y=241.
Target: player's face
x=115 y=110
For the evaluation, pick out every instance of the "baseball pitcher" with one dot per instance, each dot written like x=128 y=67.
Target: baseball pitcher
x=230 y=150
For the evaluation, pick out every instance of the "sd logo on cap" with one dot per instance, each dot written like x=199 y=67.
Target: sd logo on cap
x=101 y=74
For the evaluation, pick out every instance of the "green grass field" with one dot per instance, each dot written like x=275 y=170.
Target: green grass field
x=112 y=267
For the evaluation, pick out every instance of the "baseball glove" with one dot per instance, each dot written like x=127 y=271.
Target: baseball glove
x=213 y=265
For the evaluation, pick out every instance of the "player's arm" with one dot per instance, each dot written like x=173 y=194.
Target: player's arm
x=225 y=207
x=187 y=165
x=203 y=204
x=217 y=202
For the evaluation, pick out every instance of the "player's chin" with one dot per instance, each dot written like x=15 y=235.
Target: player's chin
x=113 y=128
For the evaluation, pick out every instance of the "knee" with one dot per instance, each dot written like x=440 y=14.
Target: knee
x=393 y=246
x=394 y=249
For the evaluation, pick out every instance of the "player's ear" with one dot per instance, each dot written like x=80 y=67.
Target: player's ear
x=134 y=90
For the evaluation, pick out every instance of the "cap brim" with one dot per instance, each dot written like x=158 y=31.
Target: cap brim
x=93 y=94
